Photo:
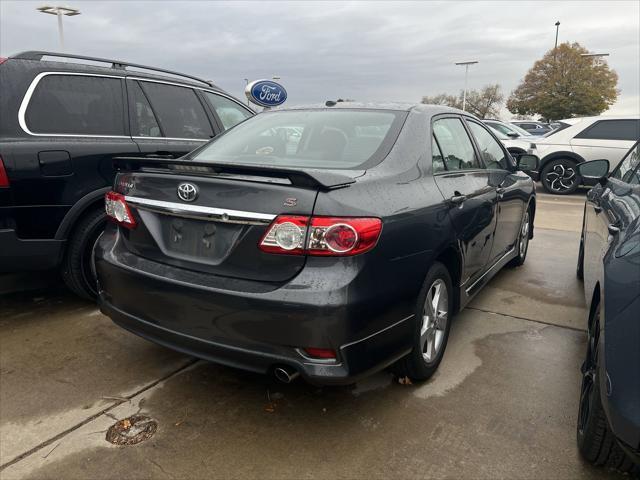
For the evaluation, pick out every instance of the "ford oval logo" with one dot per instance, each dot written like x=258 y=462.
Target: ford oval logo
x=187 y=192
x=266 y=93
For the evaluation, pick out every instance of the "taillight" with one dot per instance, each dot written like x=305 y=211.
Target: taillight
x=4 y=179
x=3 y=59
x=117 y=210
x=322 y=353
x=321 y=236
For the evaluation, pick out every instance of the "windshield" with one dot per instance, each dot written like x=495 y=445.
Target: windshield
x=343 y=139
x=505 y=130
x=562 y=126
x=520 y=131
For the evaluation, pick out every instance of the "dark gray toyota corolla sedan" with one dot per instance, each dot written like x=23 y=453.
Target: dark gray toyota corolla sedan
x=327 y=242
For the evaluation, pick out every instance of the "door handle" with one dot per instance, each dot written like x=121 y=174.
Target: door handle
x=597 y=209
x=458 y=198
x=613 y=230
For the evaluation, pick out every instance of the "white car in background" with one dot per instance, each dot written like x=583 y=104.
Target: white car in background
x=579 y=140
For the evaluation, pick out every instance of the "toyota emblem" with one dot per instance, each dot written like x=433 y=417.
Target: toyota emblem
x=187 y=192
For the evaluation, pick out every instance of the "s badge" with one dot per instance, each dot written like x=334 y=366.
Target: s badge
x=290 y=202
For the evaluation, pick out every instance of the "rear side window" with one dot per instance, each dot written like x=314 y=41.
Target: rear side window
x=492 y=153
x=228 y=111
x=77 y=105
x=143 y=122
x=178 y=111
x=436 y=156
x=455 y=144
x=612 y=130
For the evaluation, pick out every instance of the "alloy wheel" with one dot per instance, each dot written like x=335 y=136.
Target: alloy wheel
x=561 y=178
x=435 y=316
x=524 y=235
x=589 y=369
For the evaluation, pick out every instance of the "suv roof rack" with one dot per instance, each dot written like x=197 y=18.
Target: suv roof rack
x=37 y=55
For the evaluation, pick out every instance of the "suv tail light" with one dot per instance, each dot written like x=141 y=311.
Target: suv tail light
x=4 y=179
x=321 y=236
x=118 y=211
x=3 y=59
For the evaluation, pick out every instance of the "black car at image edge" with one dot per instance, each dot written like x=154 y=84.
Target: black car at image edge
x=609 y=263
x=327 y=242
x=61 y=125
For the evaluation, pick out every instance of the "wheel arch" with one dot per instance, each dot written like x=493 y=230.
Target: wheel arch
x=451 y=258
x=87 y=203
x=561 y=154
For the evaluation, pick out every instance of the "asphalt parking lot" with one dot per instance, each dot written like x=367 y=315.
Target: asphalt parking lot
x=503 y=403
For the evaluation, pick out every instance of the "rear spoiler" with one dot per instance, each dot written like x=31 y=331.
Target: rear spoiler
x=302 y=177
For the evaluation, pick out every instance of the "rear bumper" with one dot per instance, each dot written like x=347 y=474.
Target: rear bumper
x=17 y=254
x=256 y=326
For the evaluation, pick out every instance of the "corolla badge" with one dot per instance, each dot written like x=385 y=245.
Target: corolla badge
x=266 y=93
x=187 y=192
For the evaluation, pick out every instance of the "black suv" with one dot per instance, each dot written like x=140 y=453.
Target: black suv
x=62 y=123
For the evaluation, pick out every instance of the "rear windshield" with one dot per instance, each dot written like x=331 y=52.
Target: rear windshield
x=332 y=139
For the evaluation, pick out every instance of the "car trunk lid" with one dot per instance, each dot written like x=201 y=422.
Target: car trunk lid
x=211 y=219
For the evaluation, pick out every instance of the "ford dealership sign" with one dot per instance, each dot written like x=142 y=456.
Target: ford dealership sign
x=266 y=93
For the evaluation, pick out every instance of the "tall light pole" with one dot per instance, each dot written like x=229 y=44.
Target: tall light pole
x=466 y=77
x=59 y=12
x=595 y=56
x=557 y=28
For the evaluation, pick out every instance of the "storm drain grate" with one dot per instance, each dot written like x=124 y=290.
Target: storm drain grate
x=131 y=430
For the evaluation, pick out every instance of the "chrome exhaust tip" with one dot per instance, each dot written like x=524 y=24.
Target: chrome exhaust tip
x=285 y=374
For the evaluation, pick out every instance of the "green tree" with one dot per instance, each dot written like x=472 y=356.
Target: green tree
x=483 y=103
x=565 y=84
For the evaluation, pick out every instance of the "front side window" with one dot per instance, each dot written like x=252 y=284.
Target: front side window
x=228 y=111
x=341 y=138
x=612 y=130
x=455 y=145
x=629 y=169
x=178 y=110
x=492 y=153
x=77 y=105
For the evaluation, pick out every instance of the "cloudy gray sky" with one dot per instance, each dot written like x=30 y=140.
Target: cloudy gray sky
x=370 y=51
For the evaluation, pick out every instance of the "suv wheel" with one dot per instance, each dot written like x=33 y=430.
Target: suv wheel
x=434 y=310
x=596 y=442
x=77 y=271
x=560 y=176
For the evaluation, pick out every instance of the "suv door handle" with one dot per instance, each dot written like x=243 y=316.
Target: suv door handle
x=458 y=198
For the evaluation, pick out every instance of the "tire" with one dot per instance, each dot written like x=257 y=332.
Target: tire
x=429 y=344
x=560 y=176
x=596 y=442
x=580 y=265
x=77 y=271
x=523 y=240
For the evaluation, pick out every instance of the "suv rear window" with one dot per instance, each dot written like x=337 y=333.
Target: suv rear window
x=77 y=105
x=612 y=130
x=333 y=139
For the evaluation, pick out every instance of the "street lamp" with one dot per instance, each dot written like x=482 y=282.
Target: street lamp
x=466 y=75
x=59 y=12
x=595 y=56
x=557 y=28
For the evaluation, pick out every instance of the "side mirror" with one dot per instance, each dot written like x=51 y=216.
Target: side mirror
x=594 y=170
x=528 y=162
x=512 y=135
